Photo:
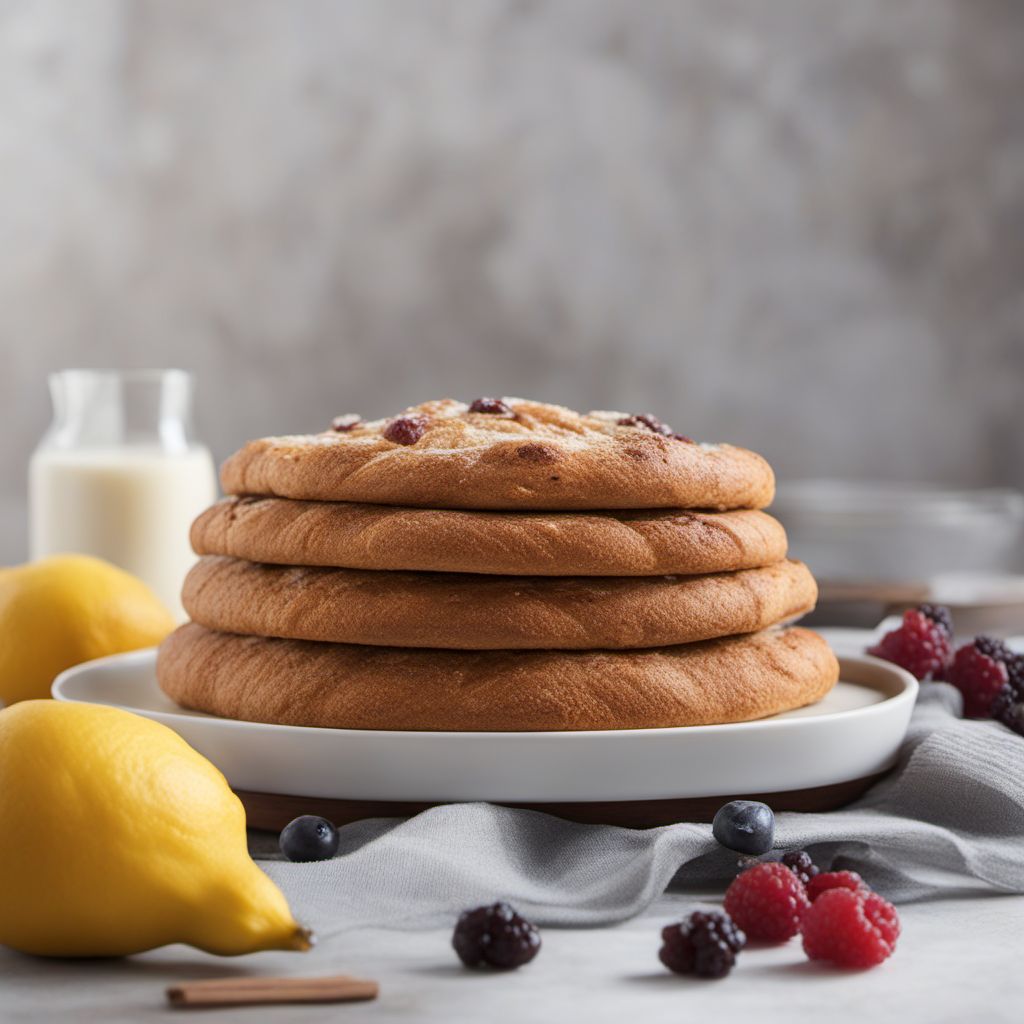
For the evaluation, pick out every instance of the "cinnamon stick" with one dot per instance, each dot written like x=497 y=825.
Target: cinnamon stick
x=256 y=991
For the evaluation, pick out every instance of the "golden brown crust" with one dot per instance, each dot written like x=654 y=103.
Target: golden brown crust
x=454 y=610
x=354 y=536
x=547 y=457
x=297 y=682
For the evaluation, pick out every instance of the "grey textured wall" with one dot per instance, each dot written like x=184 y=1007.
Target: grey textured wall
x=795 y=224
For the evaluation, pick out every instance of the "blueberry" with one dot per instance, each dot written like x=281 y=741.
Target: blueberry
x=309 y=838
x=745 y=826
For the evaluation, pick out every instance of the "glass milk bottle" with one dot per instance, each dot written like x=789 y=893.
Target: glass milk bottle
x=120 y=476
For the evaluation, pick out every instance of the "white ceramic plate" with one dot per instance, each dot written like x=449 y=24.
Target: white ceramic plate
x=854 y=732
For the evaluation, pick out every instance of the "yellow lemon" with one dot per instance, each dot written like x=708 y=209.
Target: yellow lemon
x=67 y=609
x=118 y=837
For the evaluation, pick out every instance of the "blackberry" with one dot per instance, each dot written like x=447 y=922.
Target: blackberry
x=704 y=944
x=1008 y=708
x=495 y=936
x=1015 y=674
x=994 y=648
x=938 y=613
x=800 y=863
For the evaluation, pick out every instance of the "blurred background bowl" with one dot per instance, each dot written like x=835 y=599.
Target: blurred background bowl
x=871 y=532
x=877 y=547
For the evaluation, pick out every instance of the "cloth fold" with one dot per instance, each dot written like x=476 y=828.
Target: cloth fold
x=949 y=818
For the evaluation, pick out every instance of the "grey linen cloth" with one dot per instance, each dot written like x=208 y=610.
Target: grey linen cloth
x=949 y=819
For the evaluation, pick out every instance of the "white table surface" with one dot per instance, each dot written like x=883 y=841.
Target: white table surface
x=959 y=960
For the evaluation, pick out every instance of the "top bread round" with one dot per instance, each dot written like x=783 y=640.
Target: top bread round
x=503 y=454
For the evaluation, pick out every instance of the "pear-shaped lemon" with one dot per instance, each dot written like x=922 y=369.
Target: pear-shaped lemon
x=116 y=837
x=67 y=609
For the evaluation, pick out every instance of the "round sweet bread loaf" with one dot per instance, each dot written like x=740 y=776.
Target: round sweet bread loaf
x=294 y=682
x=463 y=612
x=608 y=543
x=503 y=454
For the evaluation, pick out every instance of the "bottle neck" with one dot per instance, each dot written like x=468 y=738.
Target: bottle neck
x=114 y=408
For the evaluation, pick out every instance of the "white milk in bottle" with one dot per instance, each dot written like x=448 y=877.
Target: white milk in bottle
x=119 y=475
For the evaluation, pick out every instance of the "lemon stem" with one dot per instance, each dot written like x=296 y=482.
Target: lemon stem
x=302 y=939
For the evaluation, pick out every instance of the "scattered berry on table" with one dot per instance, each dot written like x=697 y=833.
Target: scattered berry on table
x=834 y=880
x=309 y=838
x=939 y=614
x=979 y=677
x=704 y=944
x=850 y=929
x=920 y=645
x=746 y=826
x=800 y=863
x=495 y=936
x=767 y=902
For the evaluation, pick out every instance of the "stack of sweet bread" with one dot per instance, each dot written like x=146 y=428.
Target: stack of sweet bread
x=506 y=565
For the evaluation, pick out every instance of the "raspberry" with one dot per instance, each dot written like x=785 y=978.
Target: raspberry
x=834 y=880
x=800 y=863
x=850 y=929
x=703 y=944
x=939 y=614
x=767 y=901
x=495 y=936
x=920 y=645
x=979 y=677
x=884 y=917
